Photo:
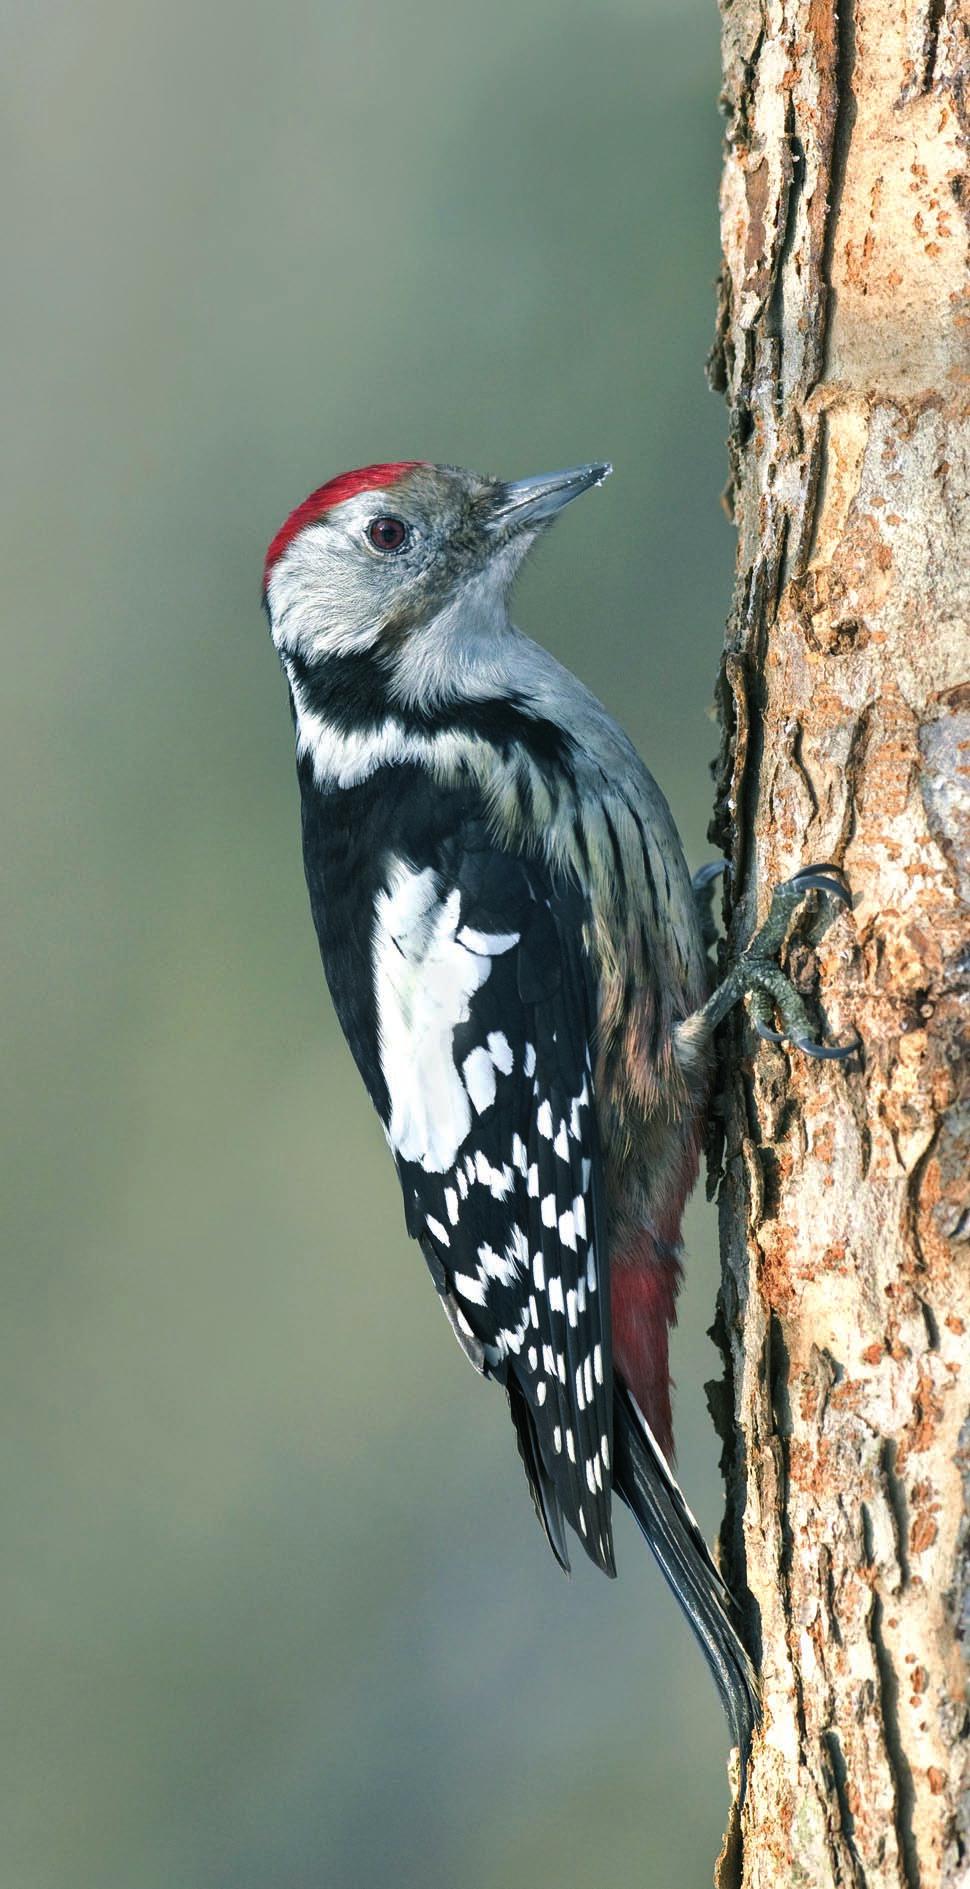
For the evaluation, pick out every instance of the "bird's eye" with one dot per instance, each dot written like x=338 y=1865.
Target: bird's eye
x=387 y=534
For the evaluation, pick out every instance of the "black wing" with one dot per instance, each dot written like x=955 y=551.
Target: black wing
x=486 y=1014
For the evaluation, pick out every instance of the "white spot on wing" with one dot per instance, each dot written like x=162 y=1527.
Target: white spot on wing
x=501 y=1266
x=471 y=1289
x=487 y=944
x=502 y=1181
x=505 y=1268
x=478 y=1070
x=500 y=1051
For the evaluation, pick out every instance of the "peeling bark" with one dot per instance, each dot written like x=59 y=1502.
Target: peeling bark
x=843 y=349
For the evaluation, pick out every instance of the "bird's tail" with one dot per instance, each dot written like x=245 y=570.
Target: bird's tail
x=643 y=1480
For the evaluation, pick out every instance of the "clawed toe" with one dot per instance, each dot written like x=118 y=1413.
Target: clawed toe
x=827 y=878
x=771 y=995
x=827 y=1052
x=758 y=974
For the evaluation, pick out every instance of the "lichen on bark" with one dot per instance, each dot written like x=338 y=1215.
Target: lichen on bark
x=843 y=349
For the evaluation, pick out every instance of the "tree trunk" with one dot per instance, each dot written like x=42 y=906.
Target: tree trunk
x=845 y=1310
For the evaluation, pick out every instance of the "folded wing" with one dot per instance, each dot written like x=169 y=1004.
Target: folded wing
x=485 y=1001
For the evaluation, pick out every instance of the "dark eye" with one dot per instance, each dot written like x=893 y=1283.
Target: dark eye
x=387 y=534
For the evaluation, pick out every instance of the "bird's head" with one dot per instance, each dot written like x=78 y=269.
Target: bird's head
x=376 y=557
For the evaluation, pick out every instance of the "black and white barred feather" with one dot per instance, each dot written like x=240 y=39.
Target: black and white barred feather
x=484 y=1013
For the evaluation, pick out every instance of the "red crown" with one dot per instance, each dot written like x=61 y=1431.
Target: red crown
x=323 y=500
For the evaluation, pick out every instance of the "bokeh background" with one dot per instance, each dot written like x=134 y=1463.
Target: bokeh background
x=276 y=1611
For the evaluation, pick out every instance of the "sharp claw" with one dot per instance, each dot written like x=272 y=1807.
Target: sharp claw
x=814 y=879
x=767 y=1035
x=827 y=1052
x=705 y=874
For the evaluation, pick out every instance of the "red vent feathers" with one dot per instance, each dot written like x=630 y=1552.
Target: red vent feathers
x=346 y=485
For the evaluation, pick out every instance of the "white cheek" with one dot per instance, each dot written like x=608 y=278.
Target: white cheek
x=328 y=596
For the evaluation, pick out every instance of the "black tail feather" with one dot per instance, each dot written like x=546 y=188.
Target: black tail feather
x=644 y=1482
x=542 y=1488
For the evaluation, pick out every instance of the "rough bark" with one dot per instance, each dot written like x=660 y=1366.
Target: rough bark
x=844 y=352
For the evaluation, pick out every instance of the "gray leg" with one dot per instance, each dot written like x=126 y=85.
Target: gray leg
x=702 y=886
x=758 y=974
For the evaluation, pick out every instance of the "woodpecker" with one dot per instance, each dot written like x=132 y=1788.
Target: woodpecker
x=517 y=957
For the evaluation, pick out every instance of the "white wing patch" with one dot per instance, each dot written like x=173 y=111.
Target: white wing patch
x=426 y=971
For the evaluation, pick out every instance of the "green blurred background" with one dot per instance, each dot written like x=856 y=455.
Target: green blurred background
x=276 y=1608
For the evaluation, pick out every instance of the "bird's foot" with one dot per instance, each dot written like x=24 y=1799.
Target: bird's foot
x=770 y=993
x=758 y=975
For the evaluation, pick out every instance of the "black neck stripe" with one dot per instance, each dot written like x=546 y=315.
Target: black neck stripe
x=353 y=694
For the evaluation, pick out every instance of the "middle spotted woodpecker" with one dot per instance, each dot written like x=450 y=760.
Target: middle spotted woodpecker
x=517 y=958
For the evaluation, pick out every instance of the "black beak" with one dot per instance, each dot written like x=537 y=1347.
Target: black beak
x=527 y=502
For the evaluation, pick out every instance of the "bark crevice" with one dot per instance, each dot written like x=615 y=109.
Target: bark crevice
x=902 y=1776
x=843 y=122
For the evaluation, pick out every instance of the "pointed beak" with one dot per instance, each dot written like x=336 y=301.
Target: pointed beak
x=527 y=502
